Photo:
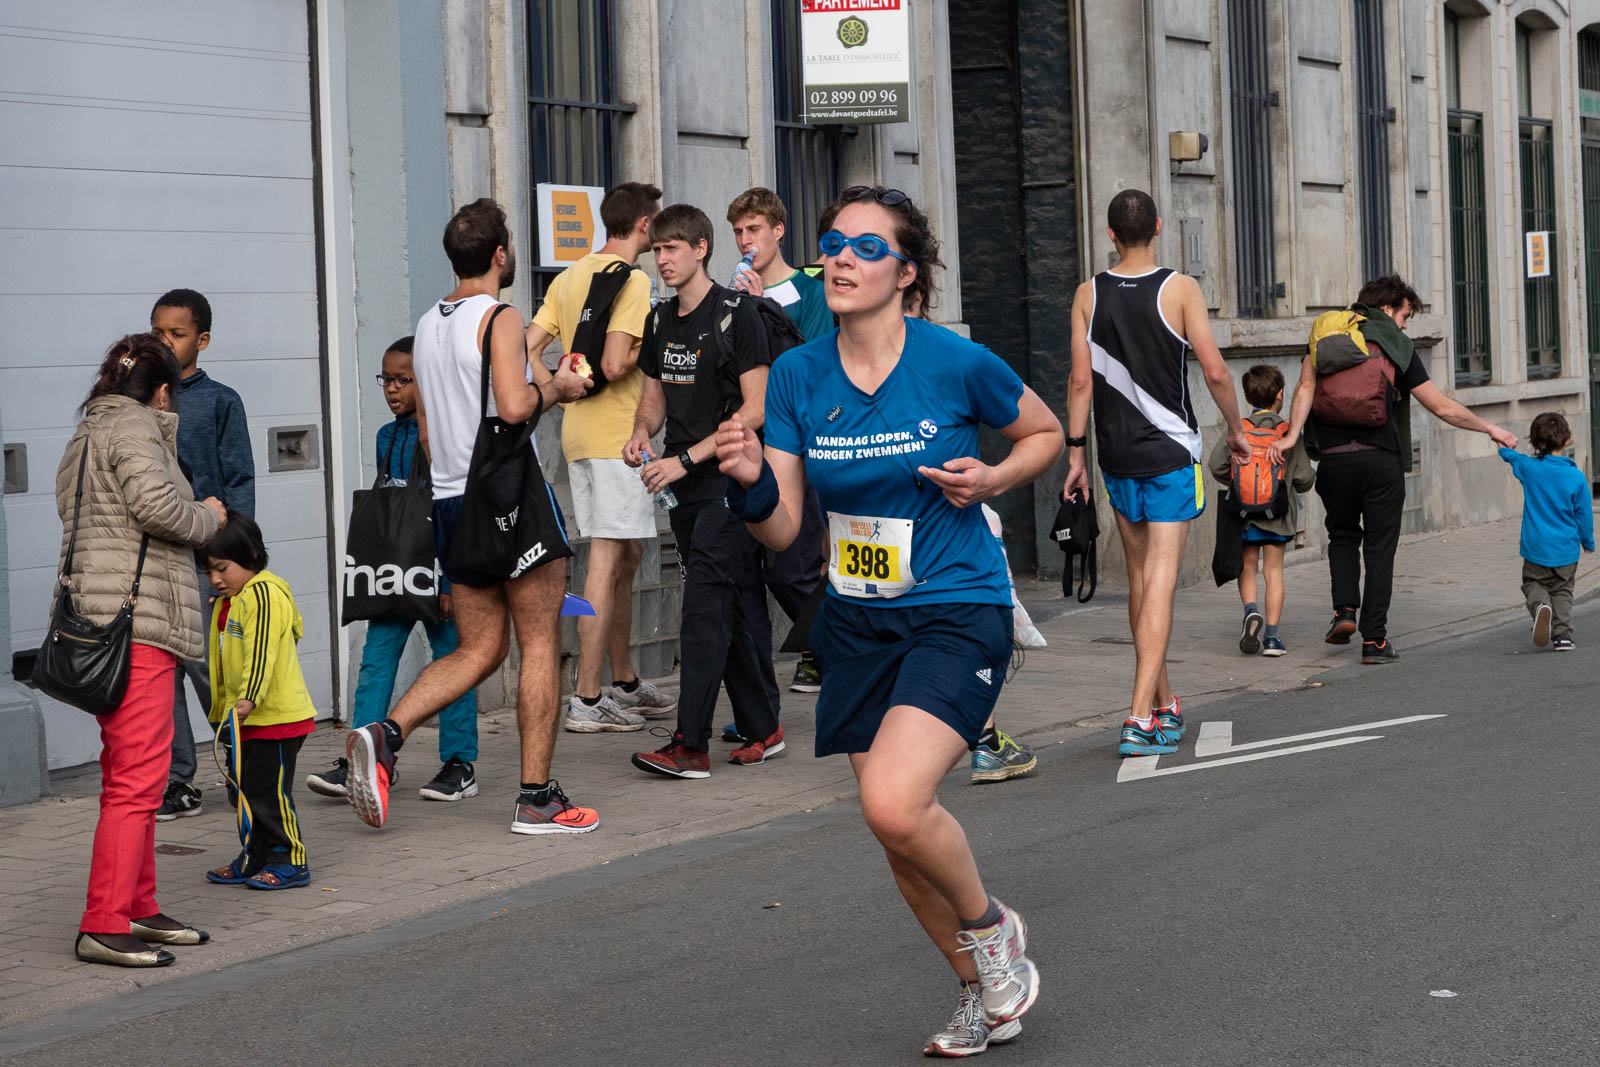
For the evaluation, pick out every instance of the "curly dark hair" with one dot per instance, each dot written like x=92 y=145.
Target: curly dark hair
x=912 y=232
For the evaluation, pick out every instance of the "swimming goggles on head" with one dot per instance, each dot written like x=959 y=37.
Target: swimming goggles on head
x=869 y=246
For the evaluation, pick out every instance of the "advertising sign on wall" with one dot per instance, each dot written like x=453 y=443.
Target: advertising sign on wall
x=569 y=222
x=857 y=58
x=1539 y=254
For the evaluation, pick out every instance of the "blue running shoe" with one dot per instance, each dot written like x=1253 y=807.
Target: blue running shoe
x=731 y=734
x=1271 y=646
x=1170 y=719
x=1139 y=741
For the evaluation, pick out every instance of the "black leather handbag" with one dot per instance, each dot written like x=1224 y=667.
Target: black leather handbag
x=80 y=663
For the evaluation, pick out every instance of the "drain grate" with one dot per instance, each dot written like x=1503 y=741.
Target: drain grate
x=177 y=850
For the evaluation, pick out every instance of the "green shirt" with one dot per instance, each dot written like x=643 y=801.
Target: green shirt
x=802 y=299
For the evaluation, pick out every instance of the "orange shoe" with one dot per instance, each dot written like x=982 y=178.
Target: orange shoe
x=371 y=771
x=555 y=816
x=752 y=752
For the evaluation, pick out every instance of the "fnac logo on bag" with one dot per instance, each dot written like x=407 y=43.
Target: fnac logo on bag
x=389 y=579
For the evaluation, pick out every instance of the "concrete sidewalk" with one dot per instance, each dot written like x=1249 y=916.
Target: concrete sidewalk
x=432 y=855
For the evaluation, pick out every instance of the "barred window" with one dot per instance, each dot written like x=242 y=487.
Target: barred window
x=807 y=157
x=1251 y=104
x=1541 y=311
x=573 y=110
x=1469 y=232
x=1373 y=117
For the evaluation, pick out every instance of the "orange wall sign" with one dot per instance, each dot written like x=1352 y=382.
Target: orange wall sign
x=569 y=222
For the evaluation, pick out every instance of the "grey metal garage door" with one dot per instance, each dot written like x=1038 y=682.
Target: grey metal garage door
x=149 y=146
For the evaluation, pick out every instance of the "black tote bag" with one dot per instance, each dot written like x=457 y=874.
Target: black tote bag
x=508 y=525
x=81 y=663
x=389 y=568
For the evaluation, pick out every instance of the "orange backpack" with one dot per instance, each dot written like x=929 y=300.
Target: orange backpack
x=1258 y=489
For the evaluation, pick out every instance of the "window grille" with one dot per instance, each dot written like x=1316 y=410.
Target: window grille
x=1251 y=101
x=807 y=157
x=1373 y=117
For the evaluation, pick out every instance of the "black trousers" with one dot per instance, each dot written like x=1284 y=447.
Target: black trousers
x=266 y=781
x=1364 y=494
x=792 y=575
x=716 y=647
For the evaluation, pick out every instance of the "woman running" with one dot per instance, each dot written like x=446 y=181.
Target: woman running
x=914 y=637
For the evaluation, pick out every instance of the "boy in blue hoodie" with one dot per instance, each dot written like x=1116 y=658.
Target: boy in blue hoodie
x=1557 y=520
x=387 y=637
x=214 y=451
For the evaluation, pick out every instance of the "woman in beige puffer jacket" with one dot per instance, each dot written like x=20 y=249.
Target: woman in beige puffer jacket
x=132 y=486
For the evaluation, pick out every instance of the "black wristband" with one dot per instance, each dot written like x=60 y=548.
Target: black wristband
x=687 y=460
x=1077 y=442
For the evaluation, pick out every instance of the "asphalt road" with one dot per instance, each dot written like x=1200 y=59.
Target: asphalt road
x=1291 y=910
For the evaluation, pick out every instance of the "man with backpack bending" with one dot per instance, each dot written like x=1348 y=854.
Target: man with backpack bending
x=1357 y=423
x=1132 y=330
x=597 y=307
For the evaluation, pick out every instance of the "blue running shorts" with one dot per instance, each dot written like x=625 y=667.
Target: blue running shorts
x=949 y=660
x=1177 y=496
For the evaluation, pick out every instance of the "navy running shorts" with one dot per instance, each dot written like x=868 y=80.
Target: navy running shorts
x=949 y=660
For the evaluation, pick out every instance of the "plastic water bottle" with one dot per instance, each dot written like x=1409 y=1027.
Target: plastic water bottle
x=655 y=293
x=744 y=265
x=666 y=500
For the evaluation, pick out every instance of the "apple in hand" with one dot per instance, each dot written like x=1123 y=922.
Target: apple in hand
x=580 y=365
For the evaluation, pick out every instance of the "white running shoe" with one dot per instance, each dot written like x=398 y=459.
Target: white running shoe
x=646 y=700
x=1008 y=980
x=602 y=717
x=967 y=1033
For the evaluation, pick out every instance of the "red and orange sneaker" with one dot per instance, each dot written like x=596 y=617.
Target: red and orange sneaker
x=371 y=771
x=753 y=752
x=675 y=760
x=557 y=815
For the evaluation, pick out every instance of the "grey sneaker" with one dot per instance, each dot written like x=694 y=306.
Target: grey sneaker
x=647 y=701
x=603 y=717
x=968 y=1034
x=1008 y=981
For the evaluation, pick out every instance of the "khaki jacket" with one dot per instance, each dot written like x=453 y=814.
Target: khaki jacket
x=1297 y=471
x=133 y=485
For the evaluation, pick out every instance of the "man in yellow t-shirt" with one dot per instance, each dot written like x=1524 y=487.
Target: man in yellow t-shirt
x=609 y=502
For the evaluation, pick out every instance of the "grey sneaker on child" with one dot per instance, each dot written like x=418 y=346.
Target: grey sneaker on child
x=646 y=701
x=967 y=1034
x=604 y=717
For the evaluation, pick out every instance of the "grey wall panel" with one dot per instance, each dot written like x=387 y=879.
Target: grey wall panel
x=705 y=51
x=135 y=164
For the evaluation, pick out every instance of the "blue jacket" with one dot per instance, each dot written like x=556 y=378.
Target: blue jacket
x=404 y=448
x=214 y=443
x=1557 y=511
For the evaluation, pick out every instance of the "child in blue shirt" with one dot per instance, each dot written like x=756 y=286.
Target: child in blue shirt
x=387 y=637
x=1557 y=520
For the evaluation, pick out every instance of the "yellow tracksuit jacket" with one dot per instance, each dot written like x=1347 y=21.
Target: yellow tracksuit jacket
x=254 y=657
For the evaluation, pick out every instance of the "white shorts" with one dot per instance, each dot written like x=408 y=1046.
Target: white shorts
x=609 y=500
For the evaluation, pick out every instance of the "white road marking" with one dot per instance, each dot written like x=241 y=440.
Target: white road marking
x=1135 y=767
x=1216 y=739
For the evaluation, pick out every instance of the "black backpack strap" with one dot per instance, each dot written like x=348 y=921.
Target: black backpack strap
x=1091 y=571
x=483 y=389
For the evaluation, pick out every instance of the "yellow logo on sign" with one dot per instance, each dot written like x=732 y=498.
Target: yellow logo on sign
x=853 y=32
x=574 y=225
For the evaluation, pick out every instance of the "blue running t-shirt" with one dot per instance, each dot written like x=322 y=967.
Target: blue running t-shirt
x=862 y=452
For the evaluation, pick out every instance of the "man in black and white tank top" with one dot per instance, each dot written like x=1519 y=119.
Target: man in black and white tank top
x=448 y=361
x=1133 y=328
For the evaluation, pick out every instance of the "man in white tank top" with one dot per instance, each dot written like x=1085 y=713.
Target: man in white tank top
x=447 y=360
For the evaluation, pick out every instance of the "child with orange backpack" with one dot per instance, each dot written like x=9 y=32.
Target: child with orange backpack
x=1259 y=511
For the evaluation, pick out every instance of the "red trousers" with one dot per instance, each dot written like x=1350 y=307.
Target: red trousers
x=136 y=752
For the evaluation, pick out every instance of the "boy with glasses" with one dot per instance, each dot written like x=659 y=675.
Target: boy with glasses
x=387 y=637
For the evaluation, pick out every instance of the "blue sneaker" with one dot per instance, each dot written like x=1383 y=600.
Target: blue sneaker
x=731 y=734
x=1250 y=633
x=1170 y=719
x=1139 y=741
x=1271 y=646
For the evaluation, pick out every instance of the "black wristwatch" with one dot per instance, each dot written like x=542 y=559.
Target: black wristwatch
x=1077 y=442
x=687 y=460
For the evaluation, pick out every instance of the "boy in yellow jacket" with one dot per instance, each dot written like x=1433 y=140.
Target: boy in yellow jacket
x=255 y=672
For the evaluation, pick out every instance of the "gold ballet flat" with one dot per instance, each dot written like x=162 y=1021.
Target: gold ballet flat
x=186 y=936
x=91 y=951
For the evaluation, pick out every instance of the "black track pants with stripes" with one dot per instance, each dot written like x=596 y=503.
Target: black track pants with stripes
x=267 y=782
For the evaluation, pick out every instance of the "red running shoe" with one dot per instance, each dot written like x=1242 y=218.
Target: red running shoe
x=753 y=752
x=371 y=771
x=675 y=760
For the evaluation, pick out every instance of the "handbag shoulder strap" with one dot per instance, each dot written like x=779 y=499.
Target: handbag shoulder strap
x=77 y=506
x=483 y=389
x=138 y=572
